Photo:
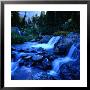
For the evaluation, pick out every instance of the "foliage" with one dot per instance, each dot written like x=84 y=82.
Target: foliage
x=61 y=33
x=15 y=19
x=16 y=38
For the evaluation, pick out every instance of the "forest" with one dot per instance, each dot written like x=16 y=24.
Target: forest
x=49 y=23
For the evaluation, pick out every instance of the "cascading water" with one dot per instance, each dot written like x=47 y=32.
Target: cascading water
x=49 y=45
x=51 y=40
x=71 y=50
x=56 y=64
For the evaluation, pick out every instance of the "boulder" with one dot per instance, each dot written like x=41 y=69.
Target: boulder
x=62 y=49
x=46 y=64
x=37 y=57
x=14 y=55
x=42 y=76
x=73 y=37
x=21 y=50
x=16 y=30
x=52 y=57
x=13 y=48
x=27 y=58
x=21 y=63
x=70 y=71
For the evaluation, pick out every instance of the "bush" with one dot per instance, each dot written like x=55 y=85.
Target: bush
x=17 y=39
x=61 y=33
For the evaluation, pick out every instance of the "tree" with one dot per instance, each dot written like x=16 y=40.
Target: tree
x=15 y=19
x=23 y=23
x=42 y=23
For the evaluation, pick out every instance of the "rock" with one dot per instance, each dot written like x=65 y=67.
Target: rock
x=27 y=51
x=27 y=58
x=16 y=30
x=70 y=71
x=37 y=57
x=42 y=76
x=46 y=55
x=13 y=48
x=14 y=55
x=23 y=56
x=22 y=73
x=33 y=40
x=21 y=63
x=21 y=50
x=46 y=64
x=40 y=53
x=74 y=37
x=52 y=57
x=33 y=50
x=26 y=61
x=62 y=49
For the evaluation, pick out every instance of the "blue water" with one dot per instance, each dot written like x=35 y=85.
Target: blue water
x=27 y=72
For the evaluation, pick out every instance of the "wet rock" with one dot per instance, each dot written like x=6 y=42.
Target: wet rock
x=14 y=55
x=42 y=76
x=46 y=64
x=63 y=46
x=74 y=37
x=27 y=58
x=21 y=63
x=22 y=73
x=21 y=55
x=33 y=40
x=70 y=71
x=21 y=50
x=37 y=57
x=13 y=48
x=27 y=51
x=16 y=30
x=52 y=57
x=62 y=49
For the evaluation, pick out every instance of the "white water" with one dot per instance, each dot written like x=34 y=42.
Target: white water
x=49 y=45
x=58 y=62
x=71 y=51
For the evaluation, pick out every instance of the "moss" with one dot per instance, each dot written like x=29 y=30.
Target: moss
x=61 y=33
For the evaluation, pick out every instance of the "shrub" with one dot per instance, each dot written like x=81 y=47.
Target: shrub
x=61 y=33
x=16 y=38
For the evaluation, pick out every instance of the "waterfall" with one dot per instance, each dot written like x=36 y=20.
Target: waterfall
x=56 y=64
x=49 y=45
x=51 y=40
x=71 y=50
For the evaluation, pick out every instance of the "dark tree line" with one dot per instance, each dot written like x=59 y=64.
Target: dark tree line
x=48 y=23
